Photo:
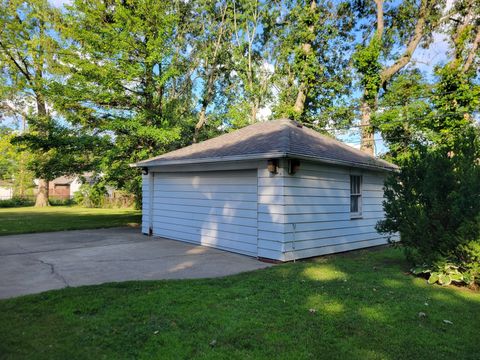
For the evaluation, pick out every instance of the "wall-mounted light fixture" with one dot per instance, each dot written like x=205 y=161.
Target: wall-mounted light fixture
x=144 y=171
x=272 y=166
x=293 y=166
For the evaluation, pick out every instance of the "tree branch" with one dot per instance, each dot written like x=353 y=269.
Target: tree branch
x=380 y=21
x=22 y=70
x=472 y=53
x=418 y=34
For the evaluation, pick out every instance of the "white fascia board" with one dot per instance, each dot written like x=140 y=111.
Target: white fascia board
x=273 y=155
x=159 y=162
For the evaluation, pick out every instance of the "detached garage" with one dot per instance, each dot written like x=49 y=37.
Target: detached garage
x=275 y=190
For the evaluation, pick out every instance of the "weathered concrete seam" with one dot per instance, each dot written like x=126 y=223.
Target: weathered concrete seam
x=54 y=272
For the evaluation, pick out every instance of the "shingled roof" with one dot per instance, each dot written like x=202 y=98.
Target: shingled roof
x=271 y=139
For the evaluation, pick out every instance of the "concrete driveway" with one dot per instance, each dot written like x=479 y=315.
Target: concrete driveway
x=33 y=263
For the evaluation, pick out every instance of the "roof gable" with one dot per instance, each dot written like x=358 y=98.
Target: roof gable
x=277 y=138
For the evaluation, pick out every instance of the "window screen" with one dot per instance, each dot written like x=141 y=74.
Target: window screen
x=355 y=194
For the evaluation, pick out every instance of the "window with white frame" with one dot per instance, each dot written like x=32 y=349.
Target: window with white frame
x=355 y=195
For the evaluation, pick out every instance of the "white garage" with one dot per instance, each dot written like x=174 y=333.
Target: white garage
x=274 y=190
x=217 y=208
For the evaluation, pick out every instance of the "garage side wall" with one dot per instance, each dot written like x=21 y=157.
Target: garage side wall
x=145 y=203
x=316 y=211
x=271 y=220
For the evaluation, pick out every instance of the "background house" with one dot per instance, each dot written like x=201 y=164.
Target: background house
x=275 y=190
x=64 y=187
x=6 y=190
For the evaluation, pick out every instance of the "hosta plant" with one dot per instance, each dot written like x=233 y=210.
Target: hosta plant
x=444 y=274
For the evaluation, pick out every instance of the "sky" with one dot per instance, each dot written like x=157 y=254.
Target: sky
x=59 y=3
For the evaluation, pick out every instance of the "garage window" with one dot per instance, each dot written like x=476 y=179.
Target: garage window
x=355 y=196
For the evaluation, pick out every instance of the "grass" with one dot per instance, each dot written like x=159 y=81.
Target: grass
x=357 y=306
x=56 y=218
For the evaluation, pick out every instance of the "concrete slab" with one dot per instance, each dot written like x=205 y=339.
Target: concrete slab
x=32 y=263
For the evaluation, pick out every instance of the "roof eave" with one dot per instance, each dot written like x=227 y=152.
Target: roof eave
x=272 y=155
x=160 y=162
x=342 y=162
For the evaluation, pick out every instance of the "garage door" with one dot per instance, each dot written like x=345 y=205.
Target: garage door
x=217 y=209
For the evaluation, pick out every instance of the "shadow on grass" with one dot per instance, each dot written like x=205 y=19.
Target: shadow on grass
x=361 y=306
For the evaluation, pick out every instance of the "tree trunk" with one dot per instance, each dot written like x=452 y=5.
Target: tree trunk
x=253 y=115
x=307 y=50
x=201 y=122
x=42 y=194
x=367 y=141
x=300 y=101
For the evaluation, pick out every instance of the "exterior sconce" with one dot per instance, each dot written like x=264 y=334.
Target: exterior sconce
x=293 y=166
x=272 y=166
x=144 y=171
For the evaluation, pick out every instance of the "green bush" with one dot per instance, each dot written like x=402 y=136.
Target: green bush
x=16 y=201
x=92 y=196
x=61 y=202
x=434 y=204
x=97 y=196
x=119 y=199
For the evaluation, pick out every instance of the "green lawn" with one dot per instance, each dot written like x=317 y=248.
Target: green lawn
x=56 y=218
x=364 y=306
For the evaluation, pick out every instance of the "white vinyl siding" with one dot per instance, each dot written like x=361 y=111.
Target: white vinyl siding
x=271 y=225
x=317 y=211
x=145 y=204
x=217 y=208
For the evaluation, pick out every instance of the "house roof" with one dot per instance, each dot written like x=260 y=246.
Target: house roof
x=68 y=179
x=271 y=139
x=63 y=180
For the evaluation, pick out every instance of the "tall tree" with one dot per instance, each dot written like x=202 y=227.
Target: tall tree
x=251 y=57
x=212 y=31
x=312 y=43
x=398 y=29
x=27 y=60
x=129 y=79
x=415 y=109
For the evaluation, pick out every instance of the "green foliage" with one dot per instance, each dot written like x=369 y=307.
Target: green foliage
x=470 y=257
x=96 y=196
x=434 y=201
x=91 y=196
x=367 y=62
x=16 y=201
x=13 y=164
x=30 y=44
x=310 y=47
x=58 y=150
x=251 y=54
x=61 y=202
x=444 y=274
x=130 y=81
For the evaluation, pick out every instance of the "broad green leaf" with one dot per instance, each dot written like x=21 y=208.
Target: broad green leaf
x=444 y=279
x=433 y=278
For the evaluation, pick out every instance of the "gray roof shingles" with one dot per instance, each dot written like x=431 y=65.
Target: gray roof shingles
x=283 y=137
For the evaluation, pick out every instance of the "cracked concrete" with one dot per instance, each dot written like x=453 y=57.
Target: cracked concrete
x=33 y=263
